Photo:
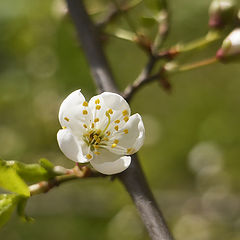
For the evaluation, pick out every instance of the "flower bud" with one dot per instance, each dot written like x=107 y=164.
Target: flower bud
x=230 y=46
x=221 y=13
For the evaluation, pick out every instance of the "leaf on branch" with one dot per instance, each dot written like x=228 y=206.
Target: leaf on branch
x=7 y=205
x=32 y=172
x=21 y=205
x=11 y=181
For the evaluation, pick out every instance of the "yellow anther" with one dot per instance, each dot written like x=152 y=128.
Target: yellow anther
x=126 y=118
x=114 y=145
x=116 y=141
x=89 y=156
x=98 y=131
x=95 y=137
x=98 y=107
x=84 y=125
x=85 y=112
x=98 y=140
x=117 y=121
x=96 y=146
x=97 y=101
x=116 y=128
x=85 y=104
x=129 y=150
x=92 y=125
x=96 y=120
x=125 y=131
x=110 y=111
x=64 y=127
x=125 y=112
x=97 y=153
x=106 y=139
x=108 y=133
x=67 y=119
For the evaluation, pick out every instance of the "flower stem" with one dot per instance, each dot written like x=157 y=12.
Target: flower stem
x=192 y=66
x=199 y=43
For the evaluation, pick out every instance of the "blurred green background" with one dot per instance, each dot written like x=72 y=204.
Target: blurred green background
x=192 y=149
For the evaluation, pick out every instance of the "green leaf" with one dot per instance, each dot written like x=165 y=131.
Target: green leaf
x=46 y=164
x=7 y=205
x=21 y=209
x=31 y=172
x=10 y=180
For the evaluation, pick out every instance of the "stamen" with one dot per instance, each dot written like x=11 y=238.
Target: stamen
x=95 y=137
x=97 y=101
x=125 y=131
x=125 y=112
x=116 y=128
x=89 y=156
x=85 y=112
x=117 y=121
x=126 y=118
x=106 y=139
x=96 y=120
x=108 y=133
x=98 y=132
x=116 y=141
x=110 y=111
x=109 y=121
x=67 y=119
x=84 y=125
x=98 y=107
x=129 y=150
x=98 y=140
x=96 y=146
x=97 y=153
x=85 y=104
x=114 y=145
x=64 y=127
x=92 y=125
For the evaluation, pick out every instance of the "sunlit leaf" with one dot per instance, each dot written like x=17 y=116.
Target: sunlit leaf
x=32 y=172
x=7 y=205
x=11 y=181
x=46 y=164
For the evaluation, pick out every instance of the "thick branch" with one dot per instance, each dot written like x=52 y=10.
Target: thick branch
x=89 y=39
x=133 y=178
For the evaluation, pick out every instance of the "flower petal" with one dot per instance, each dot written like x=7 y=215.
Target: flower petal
x=110 y=163
x=72 y=100
x=130 y=137
x=69 y=146
x=115 y=102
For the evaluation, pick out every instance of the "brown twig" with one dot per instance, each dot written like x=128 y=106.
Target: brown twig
x=133 y=178
x=70 y=174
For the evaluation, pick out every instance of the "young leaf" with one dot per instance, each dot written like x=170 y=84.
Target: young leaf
x=10 y=180
x=21 y=205
x=46 y=164
x=30 y=172
x=7 y=205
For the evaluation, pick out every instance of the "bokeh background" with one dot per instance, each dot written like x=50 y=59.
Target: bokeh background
x=192 y=149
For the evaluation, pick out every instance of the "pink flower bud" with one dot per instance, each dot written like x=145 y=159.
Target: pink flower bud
x=230 y=45
x=221 y=13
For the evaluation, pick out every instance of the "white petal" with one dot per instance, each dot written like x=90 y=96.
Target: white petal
x=133 y=139
x=69 y=146
x=74 y=99
x=110 y=163
x=115 y=102
x=98 y=109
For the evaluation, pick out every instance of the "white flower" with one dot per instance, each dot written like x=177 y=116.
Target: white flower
x=231 y=45
x=100 y=131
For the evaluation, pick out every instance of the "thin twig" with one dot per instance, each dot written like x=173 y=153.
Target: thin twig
x=72 y=174
x=133 y=178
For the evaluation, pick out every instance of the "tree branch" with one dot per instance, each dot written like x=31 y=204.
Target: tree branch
x=133 y=178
